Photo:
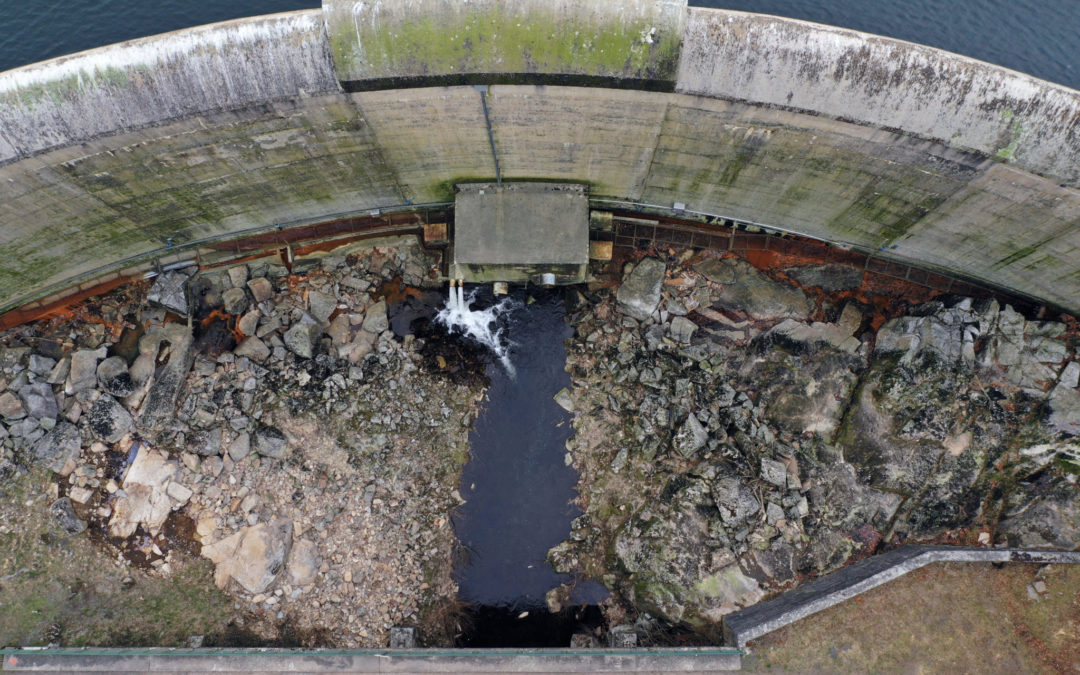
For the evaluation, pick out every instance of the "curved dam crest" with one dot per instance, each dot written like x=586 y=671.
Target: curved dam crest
x=140 y=151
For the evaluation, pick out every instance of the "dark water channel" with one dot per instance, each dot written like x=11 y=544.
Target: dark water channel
x=517 y=487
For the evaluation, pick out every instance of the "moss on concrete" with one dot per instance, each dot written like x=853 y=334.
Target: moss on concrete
x=494 y=38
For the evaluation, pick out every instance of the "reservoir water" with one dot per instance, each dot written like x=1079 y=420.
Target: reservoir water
x=1041 y=37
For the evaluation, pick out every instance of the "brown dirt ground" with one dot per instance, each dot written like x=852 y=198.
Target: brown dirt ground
x=948 y=618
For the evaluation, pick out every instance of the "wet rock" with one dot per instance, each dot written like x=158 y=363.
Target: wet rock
x=682 y=329
x=375 y=320
x=402 y=637
x=240 y=446
x=269 y=442
x=562 y=397
x=39 y=401
x=113 y=377
x=639 y=293
x=170 y=291
x=773 y=566
x=11 y=408
x=159 y=408
x=759 y=297
x=831 y=277
x=56 y=448
x=261 y=289
x=690 y=438
x=253 y=348
x=302 y=338
x=253 y=557
x=63 y=512
x=304 y=563
x=234 y=301
x=321 y=306
x=109 y=420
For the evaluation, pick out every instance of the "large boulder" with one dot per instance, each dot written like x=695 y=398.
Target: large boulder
x=108 y=419
x=253 y=557
x=53 y=450
x=144 y=499
x=1052 y=522
x=757 y=296
x=303 y=337
x=39 y=401
x=63 y=512
x=170 y=291
x=159 y=408
x=269 y=442
x=639 y=294
x=113 y=377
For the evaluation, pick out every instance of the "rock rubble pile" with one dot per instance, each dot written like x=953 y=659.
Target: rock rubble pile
x=283 y=432
x=737 y=433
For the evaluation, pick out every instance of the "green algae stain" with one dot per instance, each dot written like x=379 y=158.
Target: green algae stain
x=1016 y=130
x=485 y=39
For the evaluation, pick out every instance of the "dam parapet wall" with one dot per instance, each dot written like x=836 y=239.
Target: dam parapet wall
x=921 y=156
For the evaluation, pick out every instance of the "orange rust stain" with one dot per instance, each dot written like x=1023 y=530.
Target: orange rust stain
x=64 y=309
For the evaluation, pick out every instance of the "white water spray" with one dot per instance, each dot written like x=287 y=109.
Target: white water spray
x=480 y=325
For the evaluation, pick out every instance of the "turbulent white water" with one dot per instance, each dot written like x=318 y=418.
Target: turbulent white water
x=481 y=325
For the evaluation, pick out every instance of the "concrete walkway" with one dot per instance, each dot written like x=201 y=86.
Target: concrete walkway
x=373 y=661
x=757 y=620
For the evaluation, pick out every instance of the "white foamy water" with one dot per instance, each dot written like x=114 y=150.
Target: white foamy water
x=480 y=325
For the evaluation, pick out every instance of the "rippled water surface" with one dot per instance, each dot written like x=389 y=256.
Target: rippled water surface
x=1041 y=37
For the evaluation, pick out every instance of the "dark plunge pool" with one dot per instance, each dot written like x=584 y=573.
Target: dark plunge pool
x=517 y=486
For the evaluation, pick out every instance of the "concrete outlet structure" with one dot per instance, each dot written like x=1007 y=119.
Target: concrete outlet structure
x=521 y=232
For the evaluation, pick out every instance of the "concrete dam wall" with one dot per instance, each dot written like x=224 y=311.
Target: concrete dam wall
x=143 y=149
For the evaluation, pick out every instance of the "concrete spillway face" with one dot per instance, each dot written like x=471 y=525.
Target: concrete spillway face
x=519 y=232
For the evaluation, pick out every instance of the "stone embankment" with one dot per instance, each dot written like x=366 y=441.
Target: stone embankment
x=270 y=422
x=739 y=432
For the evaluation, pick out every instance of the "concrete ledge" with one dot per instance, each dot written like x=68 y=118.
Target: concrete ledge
x=373 y=661
x=753 y=622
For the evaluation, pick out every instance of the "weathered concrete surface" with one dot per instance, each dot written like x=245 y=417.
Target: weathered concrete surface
x=553 y=132
x=690 y=659
x=127 y=150
x=626 y=39
x=748 y=624
x=147 y=81
x=884 y=83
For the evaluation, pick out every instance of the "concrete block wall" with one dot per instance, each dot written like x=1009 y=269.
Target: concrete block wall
x=131 y=149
